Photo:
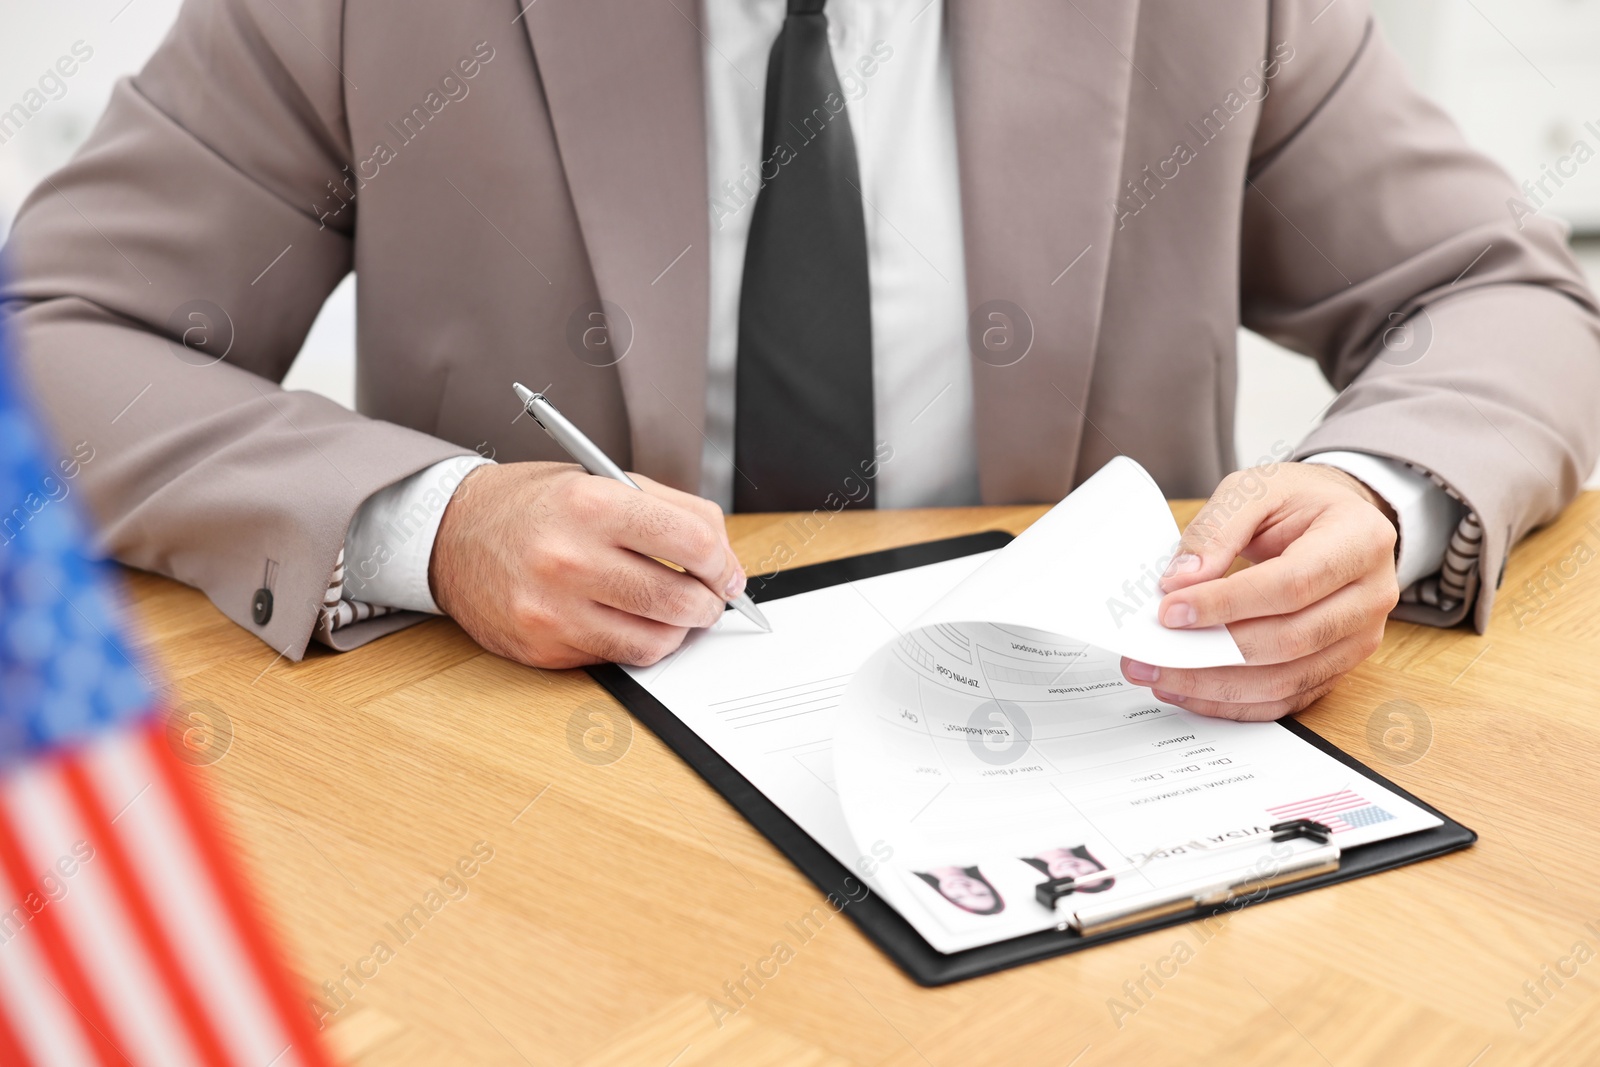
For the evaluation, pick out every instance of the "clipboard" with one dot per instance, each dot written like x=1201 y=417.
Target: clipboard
x=882 y=924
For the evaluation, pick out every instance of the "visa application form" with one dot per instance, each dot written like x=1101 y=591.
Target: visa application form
x=959 y=732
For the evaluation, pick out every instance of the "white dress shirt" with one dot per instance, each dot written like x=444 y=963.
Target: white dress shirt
x=903 y=120
x=894 y=69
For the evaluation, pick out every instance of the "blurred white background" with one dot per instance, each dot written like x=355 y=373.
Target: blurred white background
x=1522 y=77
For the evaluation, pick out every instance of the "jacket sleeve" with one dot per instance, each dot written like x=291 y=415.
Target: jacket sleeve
x=1452 y=318
x=161 y=284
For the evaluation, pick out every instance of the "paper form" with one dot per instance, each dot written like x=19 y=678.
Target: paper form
x=767 y=702
x=1054 y=765
x=958 y=733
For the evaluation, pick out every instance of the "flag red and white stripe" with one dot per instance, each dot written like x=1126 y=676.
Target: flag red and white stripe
x=1324 y=809
x=125 y=937
x=1344 y=810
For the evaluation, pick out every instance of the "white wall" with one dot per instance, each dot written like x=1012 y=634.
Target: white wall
x=34 y=35
x=1521 y=77
x=1538 y=57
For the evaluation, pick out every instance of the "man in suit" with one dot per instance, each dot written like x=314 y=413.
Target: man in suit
x=776 y=256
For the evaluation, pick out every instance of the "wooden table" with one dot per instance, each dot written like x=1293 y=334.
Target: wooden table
x=623 y=892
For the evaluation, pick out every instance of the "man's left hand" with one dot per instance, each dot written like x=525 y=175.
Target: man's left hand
x=1311 y=608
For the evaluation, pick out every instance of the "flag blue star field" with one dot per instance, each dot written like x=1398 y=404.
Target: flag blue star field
x=64 y=671
x=126 y=936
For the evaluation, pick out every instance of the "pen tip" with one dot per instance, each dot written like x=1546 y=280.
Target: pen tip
x=748 y=609
x=524 y=394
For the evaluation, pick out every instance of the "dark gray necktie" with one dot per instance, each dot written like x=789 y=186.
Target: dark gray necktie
x=803 y=426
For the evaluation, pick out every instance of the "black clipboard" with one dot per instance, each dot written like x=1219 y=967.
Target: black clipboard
x=884 y=926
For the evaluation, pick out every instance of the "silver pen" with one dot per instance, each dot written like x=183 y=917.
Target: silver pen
x=588 y=455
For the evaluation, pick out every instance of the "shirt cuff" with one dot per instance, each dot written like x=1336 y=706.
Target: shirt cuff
x=1427 y=515
x=390 y=540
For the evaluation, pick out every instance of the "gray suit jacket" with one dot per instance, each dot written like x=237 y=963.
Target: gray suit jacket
x=494 y=177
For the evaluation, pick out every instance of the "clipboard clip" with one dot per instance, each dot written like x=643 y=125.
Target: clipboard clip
x=1210 y=891
x=1307 y=828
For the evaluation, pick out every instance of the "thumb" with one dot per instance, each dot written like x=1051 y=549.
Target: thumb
x=732 y=580
x=1216 y=536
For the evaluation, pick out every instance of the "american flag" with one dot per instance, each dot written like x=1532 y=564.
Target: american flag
x=125 y=935
x=1341 y=811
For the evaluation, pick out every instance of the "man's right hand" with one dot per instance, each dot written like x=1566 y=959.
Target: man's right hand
x=548 y=565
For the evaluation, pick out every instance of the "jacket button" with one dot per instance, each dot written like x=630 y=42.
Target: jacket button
x=261 y=607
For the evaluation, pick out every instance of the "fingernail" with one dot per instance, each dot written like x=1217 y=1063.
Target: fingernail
x=1166 y=697
x=1142 y=672
x=1178 y=616
x=1185 y=563
x=735 y=585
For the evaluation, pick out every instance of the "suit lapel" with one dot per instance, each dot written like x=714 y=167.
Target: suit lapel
x=624 y=87
x=1041 y=98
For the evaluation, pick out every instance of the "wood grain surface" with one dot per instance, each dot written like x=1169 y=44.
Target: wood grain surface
x=612 y=893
